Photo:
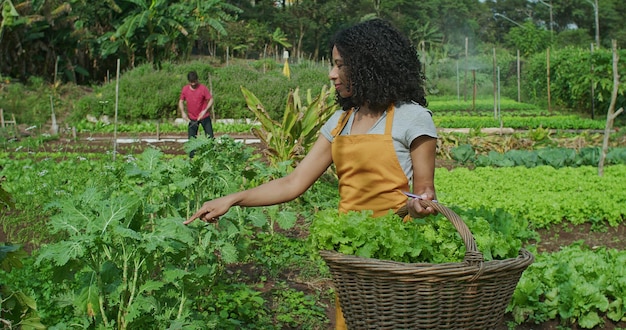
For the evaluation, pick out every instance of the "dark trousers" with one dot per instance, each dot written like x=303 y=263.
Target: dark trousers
x=193 y=126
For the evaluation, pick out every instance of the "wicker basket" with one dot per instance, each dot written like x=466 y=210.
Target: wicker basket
x=473 y=294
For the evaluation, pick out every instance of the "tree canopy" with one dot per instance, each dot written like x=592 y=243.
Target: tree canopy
x=80 y=40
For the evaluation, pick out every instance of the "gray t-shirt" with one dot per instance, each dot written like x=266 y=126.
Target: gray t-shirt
x=410 y=121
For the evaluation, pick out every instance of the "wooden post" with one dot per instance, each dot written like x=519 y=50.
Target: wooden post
x=499 y=116
x=211 y=90
x=54 y=130
x=519 y=77
x=593 y=90
x=611 y=114
x=4 y=123
x=495 y=87
x=474 y=90
x=56 y=69
x=465 y=80
x=117 y=93
x=458 y=83
x=548 y=77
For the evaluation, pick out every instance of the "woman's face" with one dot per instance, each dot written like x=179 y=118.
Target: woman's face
x=339 y=75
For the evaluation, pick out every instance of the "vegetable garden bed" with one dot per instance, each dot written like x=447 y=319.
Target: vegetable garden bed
x=594 y=234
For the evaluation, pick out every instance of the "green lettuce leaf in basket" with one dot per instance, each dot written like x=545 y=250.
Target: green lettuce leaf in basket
x=433 y=239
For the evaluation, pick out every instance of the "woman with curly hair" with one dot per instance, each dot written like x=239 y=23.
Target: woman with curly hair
x=382 y=142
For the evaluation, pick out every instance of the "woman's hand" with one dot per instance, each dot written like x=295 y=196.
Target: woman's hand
x=416 y=210
x=276 y=191
x=211 y=210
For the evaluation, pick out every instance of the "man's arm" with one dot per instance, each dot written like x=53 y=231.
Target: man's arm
x=209 y=104
x=204 y=111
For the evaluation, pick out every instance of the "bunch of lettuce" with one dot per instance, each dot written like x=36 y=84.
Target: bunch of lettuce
x=433 y=239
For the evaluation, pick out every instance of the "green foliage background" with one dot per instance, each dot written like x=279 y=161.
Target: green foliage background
x=151 y=94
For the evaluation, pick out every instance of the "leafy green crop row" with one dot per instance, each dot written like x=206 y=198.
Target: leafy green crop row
x=163 y=127
x=555 y=157
x=518 y=122
x=576 y=284
x=482 y=106
x=542 y=195
x=442 y=120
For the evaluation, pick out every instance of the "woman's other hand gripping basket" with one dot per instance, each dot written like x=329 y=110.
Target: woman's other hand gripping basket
x=391 y=274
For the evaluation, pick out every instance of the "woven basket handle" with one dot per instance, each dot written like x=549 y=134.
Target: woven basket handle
x=472 y=255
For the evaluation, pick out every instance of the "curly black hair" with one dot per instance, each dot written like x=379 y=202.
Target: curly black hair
x=383 y=65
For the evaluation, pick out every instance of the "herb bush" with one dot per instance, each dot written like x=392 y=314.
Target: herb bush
x=571 y=86
x=148 y=94
x=577 y=284
x=144 y=93
x=117 y=254
x=44 y=179
x=31 y=102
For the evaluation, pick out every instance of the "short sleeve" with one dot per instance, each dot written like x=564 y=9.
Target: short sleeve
x=414 y=121
x=330 y=125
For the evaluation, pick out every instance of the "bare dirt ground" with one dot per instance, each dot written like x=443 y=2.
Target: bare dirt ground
x=551 y=239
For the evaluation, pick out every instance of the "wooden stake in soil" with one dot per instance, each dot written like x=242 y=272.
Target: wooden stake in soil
x=610 y=116
x=548 y=77
x=519 y=83
x=54 y=130
x=117 y=94
x=211 y=90
x=495 y=86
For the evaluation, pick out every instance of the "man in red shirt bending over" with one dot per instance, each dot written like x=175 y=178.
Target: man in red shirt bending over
x=199 y=100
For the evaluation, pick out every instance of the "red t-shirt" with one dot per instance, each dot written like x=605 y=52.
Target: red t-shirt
x=197 y=99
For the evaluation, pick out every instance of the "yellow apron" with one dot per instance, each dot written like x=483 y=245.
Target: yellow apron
x=370 y=175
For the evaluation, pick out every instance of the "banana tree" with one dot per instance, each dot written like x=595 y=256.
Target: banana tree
x=278 y=37
x=207 y=20
x=9 y=14
x=292 y=138
x=153 y=25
